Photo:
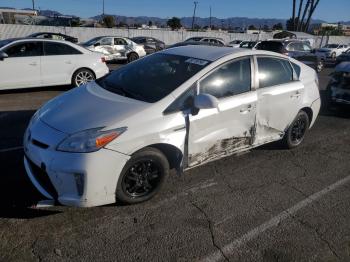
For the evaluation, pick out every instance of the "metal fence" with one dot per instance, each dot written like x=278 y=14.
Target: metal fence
x=169 y=37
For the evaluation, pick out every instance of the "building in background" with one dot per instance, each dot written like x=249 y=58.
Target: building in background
x=10 y=16
x=331 y=29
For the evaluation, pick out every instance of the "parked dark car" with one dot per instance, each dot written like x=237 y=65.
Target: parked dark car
x=55 y=36
x=297 y=49
x=214 y=40
x=248 y=44
x=150 y=44
x=344 y=57
x=194 y=43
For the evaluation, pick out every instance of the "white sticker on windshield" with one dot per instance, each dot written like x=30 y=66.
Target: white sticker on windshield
x=196 y=61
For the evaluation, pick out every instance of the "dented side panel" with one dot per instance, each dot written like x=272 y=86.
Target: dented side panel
x=218 y=132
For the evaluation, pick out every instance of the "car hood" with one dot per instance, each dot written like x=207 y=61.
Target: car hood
x=87 y=107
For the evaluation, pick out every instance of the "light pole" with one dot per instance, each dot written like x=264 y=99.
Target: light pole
x=194 y=13
x=33 y=4
x=210 y=19
x=103 y=8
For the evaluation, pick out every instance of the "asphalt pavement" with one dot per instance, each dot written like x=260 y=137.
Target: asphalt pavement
x=266 y=205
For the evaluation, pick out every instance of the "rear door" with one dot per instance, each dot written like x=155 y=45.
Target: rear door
x=279 y=98
x=121 y=46
x=22 y=67
x=58 y=63
x=221 y=131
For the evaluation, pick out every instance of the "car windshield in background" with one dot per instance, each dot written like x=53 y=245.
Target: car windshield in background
x=5 y=42
x=331 y=46
x=152 y=78
x=92 y=41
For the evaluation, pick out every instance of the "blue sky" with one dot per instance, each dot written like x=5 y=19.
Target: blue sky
x=329 y=10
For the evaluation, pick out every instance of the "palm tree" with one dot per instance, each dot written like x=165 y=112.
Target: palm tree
x=299 y=13
x=293 y=16
x=311 y=12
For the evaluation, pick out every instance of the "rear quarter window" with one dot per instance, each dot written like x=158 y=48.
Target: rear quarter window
x=297 y=69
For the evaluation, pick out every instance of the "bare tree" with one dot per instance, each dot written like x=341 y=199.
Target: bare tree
x=299 y=14
x=313 y=7
x=293 y=16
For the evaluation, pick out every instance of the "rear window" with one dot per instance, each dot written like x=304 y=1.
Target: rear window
x=271 y=46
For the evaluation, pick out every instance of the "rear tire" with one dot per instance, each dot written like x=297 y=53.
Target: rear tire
x=132 y=57
x=142 y=177
x=82 y=77
x=296 y=132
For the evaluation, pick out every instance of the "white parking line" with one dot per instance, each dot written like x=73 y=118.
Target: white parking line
x=230 y=248
x=11 y=149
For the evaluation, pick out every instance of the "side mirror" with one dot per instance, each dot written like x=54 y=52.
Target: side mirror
x=205 y=101
x=3 y=55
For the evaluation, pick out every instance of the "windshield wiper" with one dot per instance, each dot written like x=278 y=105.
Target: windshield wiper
x=120 y=90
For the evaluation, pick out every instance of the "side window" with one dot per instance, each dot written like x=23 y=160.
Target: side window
x=119 y=41
x=292 y=47
x=184 y=101
x=59 y=49
x=297 y=69
x=274 y=71
x=230 y=79
x=106 y=41
x=26 y=49
x=307 y=48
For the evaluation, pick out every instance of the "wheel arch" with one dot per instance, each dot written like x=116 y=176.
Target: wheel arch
x=309 y=112
x=172 y=153
x=80 y=68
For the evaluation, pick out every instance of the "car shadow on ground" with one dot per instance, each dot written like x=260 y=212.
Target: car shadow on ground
x=17 y=194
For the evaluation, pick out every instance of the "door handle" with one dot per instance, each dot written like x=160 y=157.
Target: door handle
x=246 y=109
x=68 y=62
x=33 y=63
x=296 y=95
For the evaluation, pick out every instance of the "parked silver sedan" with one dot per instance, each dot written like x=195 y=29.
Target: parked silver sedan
x=116 y=48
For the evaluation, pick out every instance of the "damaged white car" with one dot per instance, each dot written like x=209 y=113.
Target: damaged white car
x=117 y=138
x=116 y=48
x=338 y=89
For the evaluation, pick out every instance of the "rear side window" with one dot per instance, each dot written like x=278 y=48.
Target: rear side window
x=297 y=69
x=26 y=49
x=59 y=49
x=231 y=79
x=274 y=71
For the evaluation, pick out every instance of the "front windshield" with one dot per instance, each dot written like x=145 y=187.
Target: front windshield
x=152 y=78
x=331 y=46
x=92 y=41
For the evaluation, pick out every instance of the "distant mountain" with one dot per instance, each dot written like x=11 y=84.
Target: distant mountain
x=242 y=22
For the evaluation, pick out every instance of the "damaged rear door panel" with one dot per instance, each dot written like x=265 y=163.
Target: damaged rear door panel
x=280 y=98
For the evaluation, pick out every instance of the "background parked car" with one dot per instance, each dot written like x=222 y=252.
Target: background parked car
x=331 y=51
x=194 y=43
x=344 y=57
x=235 y=43
x=41 y=62
x=249 y=44
x=150 y=44
x=213 y=40
x=54 y=36
x=116 y=48
x=338 y=90
x=298 y=49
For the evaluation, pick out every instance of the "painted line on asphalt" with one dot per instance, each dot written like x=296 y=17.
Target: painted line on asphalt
x=230 y=248
x=11 y=149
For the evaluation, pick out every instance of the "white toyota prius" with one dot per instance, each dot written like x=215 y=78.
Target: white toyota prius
x=117 y=138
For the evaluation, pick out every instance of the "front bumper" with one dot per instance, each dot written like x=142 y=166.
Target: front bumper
x=72 y=179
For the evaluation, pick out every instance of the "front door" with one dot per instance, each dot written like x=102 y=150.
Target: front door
x=22 y=67
x=229 y=128
x=279 y=98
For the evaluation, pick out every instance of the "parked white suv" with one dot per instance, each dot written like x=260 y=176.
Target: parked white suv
x=36 y=62
x=117 y=138
x=116 y=48
x=331 y=51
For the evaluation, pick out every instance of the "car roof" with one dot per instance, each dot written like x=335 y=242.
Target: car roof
x=209 y=53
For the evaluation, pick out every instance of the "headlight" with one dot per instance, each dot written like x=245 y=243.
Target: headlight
x=89 y=140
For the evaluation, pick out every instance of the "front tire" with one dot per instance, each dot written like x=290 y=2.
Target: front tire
x=296 y=132
x=82 y=77
x=142 y=177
